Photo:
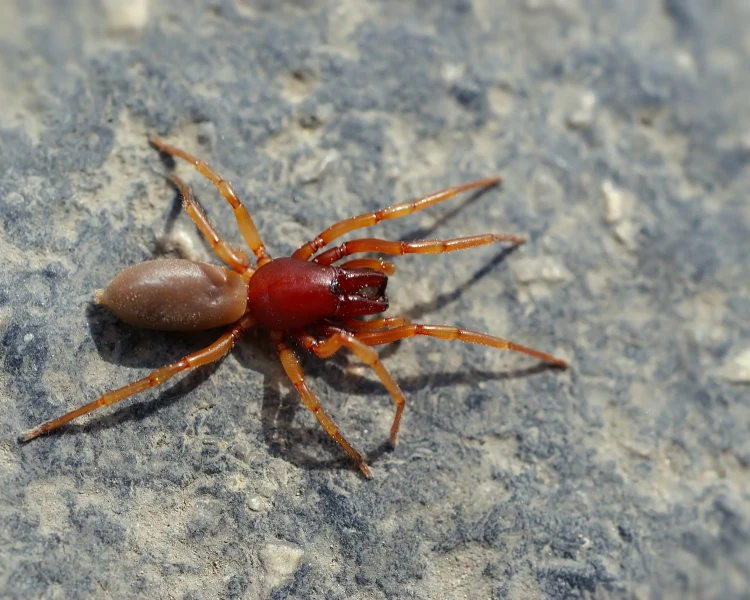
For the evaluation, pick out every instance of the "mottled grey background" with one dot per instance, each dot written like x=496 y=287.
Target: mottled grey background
x=622 y=130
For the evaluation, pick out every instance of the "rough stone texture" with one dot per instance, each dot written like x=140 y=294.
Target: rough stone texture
x=622 y=130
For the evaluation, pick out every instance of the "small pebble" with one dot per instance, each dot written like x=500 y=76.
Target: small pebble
x=280 y=562
x=737 y=370
x=582 y=116
x=126 y=16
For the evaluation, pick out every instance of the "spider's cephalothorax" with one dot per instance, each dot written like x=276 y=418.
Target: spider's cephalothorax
x=290 y=293
x=305 y=298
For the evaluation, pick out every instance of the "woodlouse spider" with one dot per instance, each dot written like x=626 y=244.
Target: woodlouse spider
x=304 y=298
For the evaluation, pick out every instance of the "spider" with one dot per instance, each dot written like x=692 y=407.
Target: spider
x=306 y=298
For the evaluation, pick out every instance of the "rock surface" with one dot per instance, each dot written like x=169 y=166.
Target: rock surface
x=622 y=131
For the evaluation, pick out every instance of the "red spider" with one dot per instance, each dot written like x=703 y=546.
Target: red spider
x=303 y=298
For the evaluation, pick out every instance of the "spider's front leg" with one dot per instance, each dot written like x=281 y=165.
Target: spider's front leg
x=395 y=248
x=395 y=211
x=339 y=338
x=450 y=333
x=375 y=324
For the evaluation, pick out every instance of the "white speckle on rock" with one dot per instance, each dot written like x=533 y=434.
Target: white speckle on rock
x=583 y=114
x=320 y=168
x=126 y=16
x=28 y=337
x=5 y=316
x=614 y=205
x=452 y=73
x=177 y=244
x=737 y=370
x=535 y=275
x=15 y=199
x=563 y=7
x=625 y=233
x=258 y=503
x=280 y=562
x=685 y=61
x=618 y=206
x=542 y=269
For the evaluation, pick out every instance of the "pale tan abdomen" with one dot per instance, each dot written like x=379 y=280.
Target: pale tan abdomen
x=176 y=295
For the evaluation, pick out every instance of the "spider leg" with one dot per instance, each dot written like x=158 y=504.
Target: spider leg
x=234 y=258
x=202 y=357
x=244 y=220
x=373 y=264
x=391 y=212
x=367 y=355
x=419 y=247
x=374 y=324
x=446 y=332
x=294 y=371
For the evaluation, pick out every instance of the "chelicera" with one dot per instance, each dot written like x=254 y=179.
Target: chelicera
x=310 y=298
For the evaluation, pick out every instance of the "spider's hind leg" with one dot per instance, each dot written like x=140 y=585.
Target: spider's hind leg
x=207 y=355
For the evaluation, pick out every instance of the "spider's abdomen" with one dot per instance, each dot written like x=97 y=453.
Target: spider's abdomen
x=290 y=293
x=176 y=295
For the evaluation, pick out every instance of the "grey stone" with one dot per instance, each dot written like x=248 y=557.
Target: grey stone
x=626 y=476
